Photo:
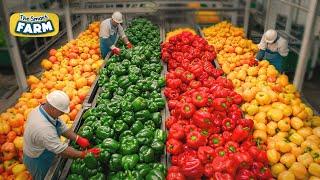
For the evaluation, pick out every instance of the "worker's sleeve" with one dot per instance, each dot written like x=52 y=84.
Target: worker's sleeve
x=63 y=127
x=121 y=31
x=260 y=54
x=263 y=44
x=283 y=48
x=52 y=142
x=105 y=33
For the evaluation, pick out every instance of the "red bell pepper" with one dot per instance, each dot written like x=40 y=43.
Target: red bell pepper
x=244 y=174
x=170 y=121
x=173 y=83
x=187 y=110
x=195 y=139
x=200 y=99
x=240 y=133
x=172 y=104
x=231 y=146
x=261 y=171
x=192 y=167
x=173 y=146
x=262 y=157
x=226 y=136
x=216 y=140
x=202 y=119
x=187 y=77
x=220 y=104
x=178 y=72
x=210 y=100
x=244 y=159
x=173 y=169
x=190 y=128
x=174 y=160
x=246 y=123
x=228 y=124
x=208 y=170
x=171 y=93
x=195 y=84
x=220 y=151
x=206 y=154
x=218 y=163
x=176 y=131
x=222 y=176
x=175 y=176
x=253 y=151
x=231 y=165
x=237 y=99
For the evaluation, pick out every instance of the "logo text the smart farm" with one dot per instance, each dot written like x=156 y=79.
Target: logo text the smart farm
x=34 y=24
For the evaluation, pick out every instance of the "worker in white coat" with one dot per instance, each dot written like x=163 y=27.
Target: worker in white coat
x=110 y=30
x=273 y=48
x=42 y=136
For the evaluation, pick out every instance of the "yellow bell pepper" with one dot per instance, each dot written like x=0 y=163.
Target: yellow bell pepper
x=277 y=169
x=296 y=138
x=271 y=128
x=296 y=123
x=283 y=146
x=23 y=176
x=305 y=159
x=308 y=146
x=1 y=177
x=315 y=121
x=18 y=169
x=273 y=156
x=286 y=175
x=316 y=155
x=288 y=159
x=314 y=139
x=261 y=135
x=299 y=170
x=305 y=132
x=316 y=131
x=297 y=151
x=314 y=169
x=9 y=163
x=260 y=126
x=284 y=125
x=18 y=142
x=314 y=178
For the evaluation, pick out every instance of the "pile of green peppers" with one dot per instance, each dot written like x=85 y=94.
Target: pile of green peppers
x=125 y=123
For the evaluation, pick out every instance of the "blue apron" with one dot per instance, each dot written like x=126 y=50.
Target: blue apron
x=106 y=43
x=38 y=167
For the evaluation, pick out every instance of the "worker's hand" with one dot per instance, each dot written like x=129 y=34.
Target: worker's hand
x=116 y=51
x=94 y=151
x=82 y=142
x=129 y=45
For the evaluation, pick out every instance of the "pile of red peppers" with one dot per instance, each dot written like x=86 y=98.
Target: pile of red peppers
x=207 y=134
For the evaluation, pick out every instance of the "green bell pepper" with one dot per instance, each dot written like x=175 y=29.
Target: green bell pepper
x=143 y=169
x=107 y=120
x=157 y=118
x=157 y=146
x=124 y=82
x=124 y=134
x=153 y=107
x=106 y=94
x=146 y=154
x=75 y=177
x=115 y=162
x=143 y=115
x=145 y=136
x=119 y=126
x=129 y=145
x=91 y=172
x=129 y=162
x=98 y=176
x=134 y=70
x=133 y=77
x=77 y=166
x=159 y=166
x=150 y=124
x=128 y=117
x=155 y=174
x=120 y=91
x=160 y=135
x=86 y=131
x=125 y=105
x=126 y=63
x=90 y=161
x=161 y=81
x=136 y=127
x=110 y=144
x=132 y=175
x=113 y=108
x=139 y=104
x=91 y=118
x=104 y=156
x=119 y=70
